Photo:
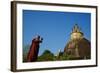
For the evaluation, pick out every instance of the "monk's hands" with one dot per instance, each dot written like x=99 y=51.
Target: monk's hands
x=41 y=39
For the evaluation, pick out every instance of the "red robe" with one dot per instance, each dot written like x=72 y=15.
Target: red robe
x=34 y=49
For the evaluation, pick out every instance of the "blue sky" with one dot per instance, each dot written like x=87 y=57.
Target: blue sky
x=54 y=27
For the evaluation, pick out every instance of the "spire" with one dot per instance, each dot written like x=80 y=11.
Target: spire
x=59 y=51
x=76 y=33
x=76 y=28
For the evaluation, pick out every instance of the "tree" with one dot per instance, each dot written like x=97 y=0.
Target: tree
x=63 y=56
x=46 y=56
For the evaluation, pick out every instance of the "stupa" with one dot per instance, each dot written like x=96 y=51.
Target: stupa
x=78 y=47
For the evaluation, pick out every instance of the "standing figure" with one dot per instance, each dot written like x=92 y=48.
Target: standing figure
x=34 y=49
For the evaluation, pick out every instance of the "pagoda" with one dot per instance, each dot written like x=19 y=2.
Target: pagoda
x=78 y=47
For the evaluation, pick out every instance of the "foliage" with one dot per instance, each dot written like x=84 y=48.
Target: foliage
x=46 y=56
x=64 y=56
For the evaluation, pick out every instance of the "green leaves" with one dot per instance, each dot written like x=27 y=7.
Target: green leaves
x=49 y=56
x=46 y=56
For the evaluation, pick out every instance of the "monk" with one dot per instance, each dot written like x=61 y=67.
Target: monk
x=34 y=49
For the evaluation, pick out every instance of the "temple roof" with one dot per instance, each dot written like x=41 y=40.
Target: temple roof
x=83 y=46
x=75 y=46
